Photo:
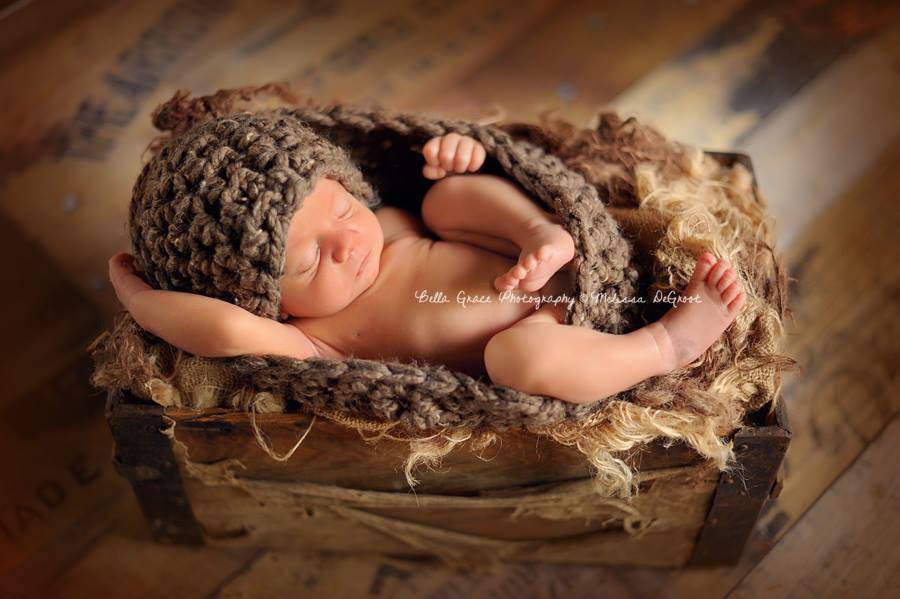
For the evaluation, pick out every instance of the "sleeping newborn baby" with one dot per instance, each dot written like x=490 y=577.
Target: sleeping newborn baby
x=485 y=298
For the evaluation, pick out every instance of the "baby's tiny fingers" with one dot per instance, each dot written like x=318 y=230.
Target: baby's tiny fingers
x=433 y=172
x=478 y=156
x=431 y=150
x=448 y=149
x=122 y=261
x=463 y=154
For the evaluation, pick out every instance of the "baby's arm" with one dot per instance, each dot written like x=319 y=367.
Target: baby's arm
x=493 y=213
x=201 y=325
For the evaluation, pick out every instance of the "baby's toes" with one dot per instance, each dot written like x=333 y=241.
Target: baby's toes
x=518 y=271
x=715 y=274
x=544 y=253
x=528 y=262
x=505 y=282
x=737 y=303
x=530 y=285
x=731 y=293
x=704 y=265
x=727 y=279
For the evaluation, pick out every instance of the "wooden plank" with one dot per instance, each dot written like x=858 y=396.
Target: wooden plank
x=334 y=454
x=126 y=563
x=722 y=88
x=24 y=25
x=144 y=456
x=846 y=544
x=578 y=58
x=449 y=39
x=268 y=514
x=69 y=524
x=332 y=576
x=740 y=495
x=839 y=124
x=47 y=318
x=57 y=486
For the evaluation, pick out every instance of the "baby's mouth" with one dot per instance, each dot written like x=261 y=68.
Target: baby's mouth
x=363 y=264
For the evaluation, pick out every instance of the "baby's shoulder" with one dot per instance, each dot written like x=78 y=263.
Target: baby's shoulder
x=397 y=223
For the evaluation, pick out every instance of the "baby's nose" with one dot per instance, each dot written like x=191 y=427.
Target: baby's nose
x=344 y=248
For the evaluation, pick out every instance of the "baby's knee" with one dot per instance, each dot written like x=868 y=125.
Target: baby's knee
x=511 y=359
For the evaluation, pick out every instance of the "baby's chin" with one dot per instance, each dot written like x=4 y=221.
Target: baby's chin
x=321 y=311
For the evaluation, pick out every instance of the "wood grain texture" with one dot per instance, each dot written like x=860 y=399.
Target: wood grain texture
x=838 y=552
x=125 y=562
x=576 y=60
x=334 y=454
x=46 y=318
x=56 y=480
x=144 y=456
x=741 y=495
x=810 y=150
x=267 y=515
x=723 y=87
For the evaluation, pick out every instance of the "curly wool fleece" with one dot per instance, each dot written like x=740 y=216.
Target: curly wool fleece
x=211 y=210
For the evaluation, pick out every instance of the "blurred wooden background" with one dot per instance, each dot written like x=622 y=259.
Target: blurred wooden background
x=809 y=88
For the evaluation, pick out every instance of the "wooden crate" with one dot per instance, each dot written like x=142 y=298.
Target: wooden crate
x=697 y=516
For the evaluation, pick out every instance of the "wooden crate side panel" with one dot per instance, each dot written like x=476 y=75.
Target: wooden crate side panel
x=334 y=454
x=266 y=514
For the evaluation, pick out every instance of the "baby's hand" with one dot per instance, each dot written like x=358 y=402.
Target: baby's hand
x=124 y=279
x=548 y=247
x=452 y=153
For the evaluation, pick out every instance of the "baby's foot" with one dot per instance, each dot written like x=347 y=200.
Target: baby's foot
x=689 y=329
x=547 y=248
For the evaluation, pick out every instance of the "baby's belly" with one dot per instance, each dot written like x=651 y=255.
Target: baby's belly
x=456 y=310
x=437 y=304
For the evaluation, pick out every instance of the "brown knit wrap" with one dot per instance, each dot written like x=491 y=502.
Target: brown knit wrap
x=210 y=212
x=603 y=258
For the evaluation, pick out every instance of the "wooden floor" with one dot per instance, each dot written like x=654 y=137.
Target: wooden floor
x=810 y=89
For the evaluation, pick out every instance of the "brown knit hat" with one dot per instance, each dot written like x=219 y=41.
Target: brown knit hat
x=210 y=212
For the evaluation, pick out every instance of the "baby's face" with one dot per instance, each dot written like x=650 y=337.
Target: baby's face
x=328 y=240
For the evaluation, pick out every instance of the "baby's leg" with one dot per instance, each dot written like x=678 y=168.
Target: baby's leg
x=540 y=356
x=494 y=213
